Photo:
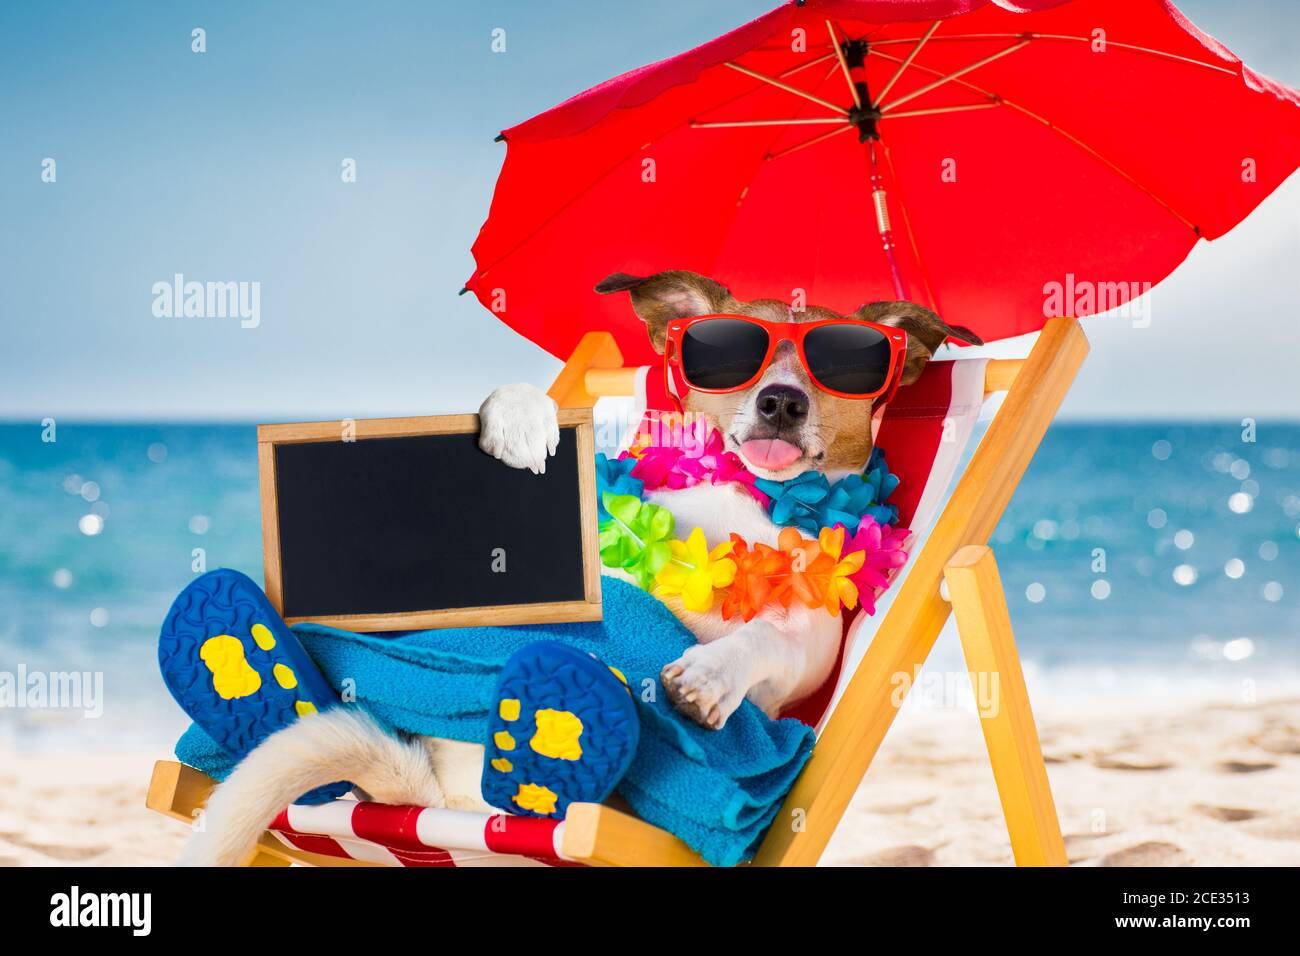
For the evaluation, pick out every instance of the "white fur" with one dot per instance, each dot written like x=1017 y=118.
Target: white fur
x=517 y=424
x=810 y=434
x=458 y=766
x=341 y=743
x=776 y=659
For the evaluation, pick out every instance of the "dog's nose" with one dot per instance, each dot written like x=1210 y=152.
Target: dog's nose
x=782 y=405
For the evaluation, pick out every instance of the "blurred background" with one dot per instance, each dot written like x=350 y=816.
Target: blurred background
x=1177 y=455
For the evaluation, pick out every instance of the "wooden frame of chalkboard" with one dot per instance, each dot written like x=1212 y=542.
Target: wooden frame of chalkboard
x=575 y=424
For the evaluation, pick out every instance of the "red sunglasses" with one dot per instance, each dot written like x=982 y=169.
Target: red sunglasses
x=726 y=353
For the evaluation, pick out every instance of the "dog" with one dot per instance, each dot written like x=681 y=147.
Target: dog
x=781 y=425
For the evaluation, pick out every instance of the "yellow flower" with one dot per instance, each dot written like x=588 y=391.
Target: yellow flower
x=839 y=588
x=694 y=571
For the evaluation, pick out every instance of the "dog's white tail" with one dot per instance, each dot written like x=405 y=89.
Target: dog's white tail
x=341 y=743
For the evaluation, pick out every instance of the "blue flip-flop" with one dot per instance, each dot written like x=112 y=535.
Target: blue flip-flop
x=236 y=669
x=564 y=730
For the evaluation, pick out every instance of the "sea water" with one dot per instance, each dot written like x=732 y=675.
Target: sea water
x=1136 y=558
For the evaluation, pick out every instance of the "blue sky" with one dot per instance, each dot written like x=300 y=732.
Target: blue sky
x=226 y=165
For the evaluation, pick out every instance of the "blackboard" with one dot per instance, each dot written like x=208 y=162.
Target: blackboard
x=405 y=523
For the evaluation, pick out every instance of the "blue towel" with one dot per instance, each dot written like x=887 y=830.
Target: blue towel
x=717 y=790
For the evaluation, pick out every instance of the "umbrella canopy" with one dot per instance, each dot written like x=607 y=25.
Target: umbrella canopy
x=1000 y=164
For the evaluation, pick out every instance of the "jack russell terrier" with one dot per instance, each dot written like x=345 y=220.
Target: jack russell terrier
x=788 y=391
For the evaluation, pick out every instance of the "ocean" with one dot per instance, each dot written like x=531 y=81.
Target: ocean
x=1137 y=559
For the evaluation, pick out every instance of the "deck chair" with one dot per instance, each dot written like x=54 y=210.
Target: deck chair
x=952 y=571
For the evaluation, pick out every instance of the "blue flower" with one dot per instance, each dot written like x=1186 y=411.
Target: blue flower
x=614 y=476
x=799 y=501
x=811 y=502
x=878 y=475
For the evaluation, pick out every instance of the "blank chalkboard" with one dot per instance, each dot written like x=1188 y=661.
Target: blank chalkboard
x=404 y=523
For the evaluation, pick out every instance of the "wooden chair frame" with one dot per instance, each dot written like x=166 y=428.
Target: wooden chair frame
x=956 y=552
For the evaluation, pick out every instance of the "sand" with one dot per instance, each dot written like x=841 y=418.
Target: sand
x=78 y=809
x=1197 y=785
x=1205 y=785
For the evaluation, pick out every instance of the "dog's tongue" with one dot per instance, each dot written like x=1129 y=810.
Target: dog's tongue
x=771 y=453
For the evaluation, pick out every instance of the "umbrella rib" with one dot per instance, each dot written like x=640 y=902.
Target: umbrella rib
x=731 y=220
x=907 y=62
x=787 y=87
x=844 y=65
x=945 y=109
x=811 y=142
x=1140 y=49
x=1133 y=47
x=803 y=66
x=1088 y=149
x=564 y=206
x=911 y=236
x=798 y=68
x=1066 y=135
x=728 y=124
x=906 y=97
x=814 y=141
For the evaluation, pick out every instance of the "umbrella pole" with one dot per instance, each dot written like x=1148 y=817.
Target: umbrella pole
x=864 y=116
x=881 y=203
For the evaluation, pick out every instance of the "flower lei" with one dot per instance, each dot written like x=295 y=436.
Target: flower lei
x=849 y=559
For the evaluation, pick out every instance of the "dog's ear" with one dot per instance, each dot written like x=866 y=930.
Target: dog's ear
x=925 y=331
x=664 y=296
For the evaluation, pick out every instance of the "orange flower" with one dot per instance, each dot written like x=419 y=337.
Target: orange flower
x=762 y=578
x=805 y=569
x=818 y=577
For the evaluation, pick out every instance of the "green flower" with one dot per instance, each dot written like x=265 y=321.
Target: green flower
x=635 y=537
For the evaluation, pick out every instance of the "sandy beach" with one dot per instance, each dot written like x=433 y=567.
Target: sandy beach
x=1201 y=785
x=82 y=809
x=1205 y=785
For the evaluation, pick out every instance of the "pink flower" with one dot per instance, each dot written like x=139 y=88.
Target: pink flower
x=689 y=458
x=884 y=547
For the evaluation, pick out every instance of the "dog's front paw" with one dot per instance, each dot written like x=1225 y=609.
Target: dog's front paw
x=703 y=686
x=517 y=424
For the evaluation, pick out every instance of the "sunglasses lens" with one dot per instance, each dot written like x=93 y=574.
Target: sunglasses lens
x=722 y=353
x=848 y=358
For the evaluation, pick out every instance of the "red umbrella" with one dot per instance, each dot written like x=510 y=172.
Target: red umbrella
x=999 y=166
